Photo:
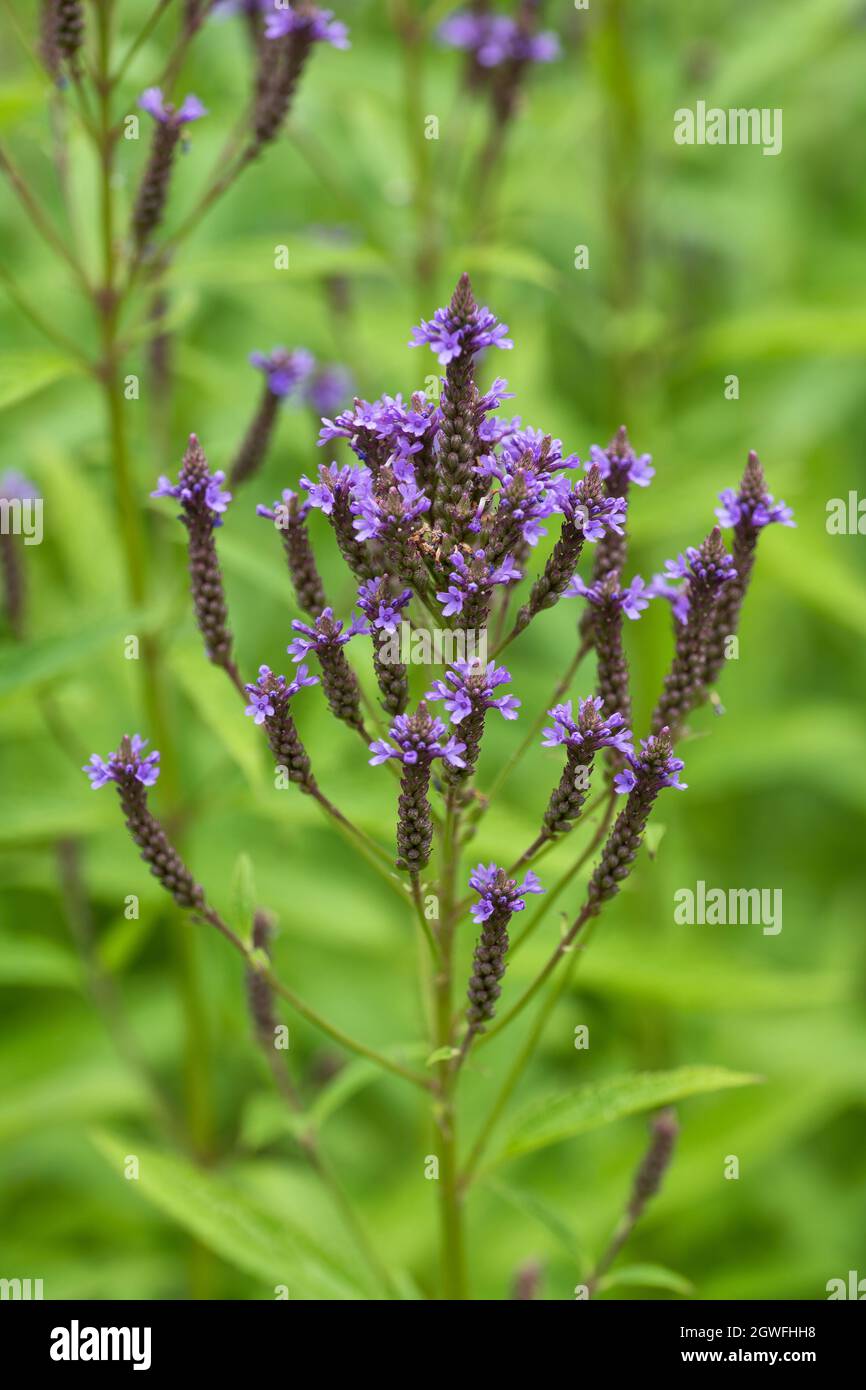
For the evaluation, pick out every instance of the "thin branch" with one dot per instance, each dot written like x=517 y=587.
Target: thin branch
x=144 y=34
x=41 y=221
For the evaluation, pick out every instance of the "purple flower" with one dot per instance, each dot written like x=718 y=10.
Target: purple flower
x=520 y=442
x=326 y=389
x=419 y=739
x=14 y=487
x=594 y=515
x=268 y=686
x=652 y=768
x=676 y=594
x=695 y=565
x=111 y=769
x=152 y=101
x=589 y=731
x=312 y=24
x=525 y=496
x=450 y=338
x=326 y=634
x=284 y=370
x=281 y=512
x=335 y=485
x=497 y=39
x=197 y=489
x=474 y=578
x=636 y=468
x=738 y=509
x=388 y=503
x=632 y=600
x=382 y=610
x=468 y=689
x=499 y=894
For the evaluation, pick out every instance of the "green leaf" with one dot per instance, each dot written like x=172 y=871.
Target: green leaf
x=243 y=897
x=442 y=1054
x=647 y=1277
x=36 y=960
x=224 y=1219
x=533 y=1206
x=29 y=664
x=23 y=374
x=590 y=1107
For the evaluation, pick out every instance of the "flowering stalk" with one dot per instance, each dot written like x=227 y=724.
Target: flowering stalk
x=499 y=898
x=608 y=605
x=291 y=33
x=290 y=518
x=133 y=771
x=67 y=24
x=270 y=698
x=456 y=335
x=581 y=738
x=284 y=372
x=419 y=739
x=647 y=1182
x=747 y=512
x=468 y=693
x=326 y=639
x=382 y=611
x=707 y=570
x=203 y=504
x=153 y=190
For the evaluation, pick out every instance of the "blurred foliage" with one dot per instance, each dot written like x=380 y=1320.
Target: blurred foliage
x=703 y=262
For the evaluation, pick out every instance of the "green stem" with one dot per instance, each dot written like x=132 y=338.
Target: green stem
x=516 y=1071
x=454 y=1285
x=142 y=37
x=338 y=1036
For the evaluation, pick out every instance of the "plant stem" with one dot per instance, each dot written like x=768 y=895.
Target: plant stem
x=337 y=1035
x=444 y=1108
x=516 y=1071
x=142 y=37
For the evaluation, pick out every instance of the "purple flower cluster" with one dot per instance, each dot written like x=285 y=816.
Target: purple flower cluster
x=284 y=370
x=382 y=609
x=633 y=599
x=468 y=689
x=418 y=742
x=652 y=768
x=495 y=39
x=589 y=731
x=199 y=491
x=592 y=515
x=450 y=338
x=386 y=502
x=739 y=509
x=472 y=581
x=690 y=567
x=153 y=101
x=622 y=463
x=310 y=24
x=128 y=762
x=269 y=691
x=499 y=894
x=324 y=635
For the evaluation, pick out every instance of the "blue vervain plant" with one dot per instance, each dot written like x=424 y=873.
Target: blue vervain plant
x=437 y=521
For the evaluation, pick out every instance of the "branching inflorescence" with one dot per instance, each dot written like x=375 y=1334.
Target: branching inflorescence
x=437 y=520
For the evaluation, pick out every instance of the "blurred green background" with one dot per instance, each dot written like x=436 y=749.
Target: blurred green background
x=703 y=262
